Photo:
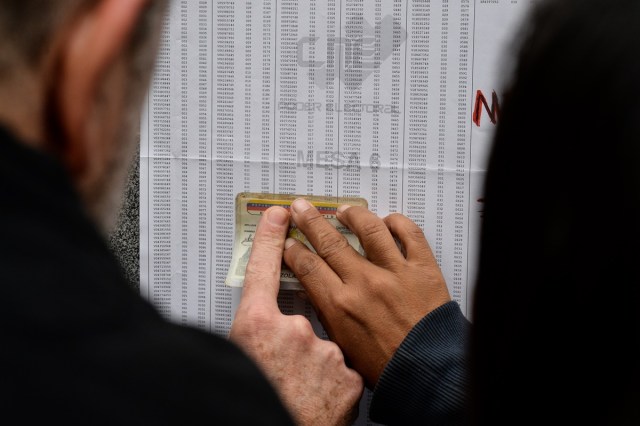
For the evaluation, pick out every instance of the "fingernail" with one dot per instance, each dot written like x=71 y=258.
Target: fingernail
x=301 y=205
x=289 y=242
x=343 y=208
x=278 y=217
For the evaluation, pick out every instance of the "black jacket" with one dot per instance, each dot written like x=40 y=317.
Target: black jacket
x=78 y=344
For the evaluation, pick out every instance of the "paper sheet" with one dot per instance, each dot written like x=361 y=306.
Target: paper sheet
x=395 y=101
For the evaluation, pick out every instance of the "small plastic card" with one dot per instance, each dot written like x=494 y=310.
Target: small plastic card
x=250 y=207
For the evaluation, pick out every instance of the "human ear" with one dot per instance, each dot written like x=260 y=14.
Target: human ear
x=95 y=41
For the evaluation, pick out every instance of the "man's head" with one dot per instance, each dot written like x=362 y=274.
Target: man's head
x=73 y=74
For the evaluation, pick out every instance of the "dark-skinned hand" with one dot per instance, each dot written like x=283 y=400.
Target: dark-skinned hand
x=369 y=304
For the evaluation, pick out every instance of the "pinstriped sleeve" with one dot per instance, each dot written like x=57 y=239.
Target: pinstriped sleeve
x=427 y=380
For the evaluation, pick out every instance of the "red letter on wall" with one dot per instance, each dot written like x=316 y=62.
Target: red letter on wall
x=494 y=111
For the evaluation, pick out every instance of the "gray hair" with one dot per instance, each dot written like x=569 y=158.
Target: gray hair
x=27 y=30
x=27 y=26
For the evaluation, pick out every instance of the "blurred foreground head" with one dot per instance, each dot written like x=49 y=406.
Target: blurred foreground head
x=73 y=74
x=557 y=314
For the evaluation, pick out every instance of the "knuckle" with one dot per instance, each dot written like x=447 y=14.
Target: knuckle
x=356 y=382
x=269 y=240
x=334 y=354
x=416 y=233
x=307 y=266
x=394 y=218
x=333 y=240
x=343 y=304
x=373 y=230
x=353 y=212
x=301 y=327
x=312 y=218
x=260 y=268
x=332 y=245
x=398 y=220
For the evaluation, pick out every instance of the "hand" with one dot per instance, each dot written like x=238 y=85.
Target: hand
x=309 y=373
x=367 y=305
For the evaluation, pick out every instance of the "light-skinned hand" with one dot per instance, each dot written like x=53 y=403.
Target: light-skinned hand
x=309 y=373
x=368 y=304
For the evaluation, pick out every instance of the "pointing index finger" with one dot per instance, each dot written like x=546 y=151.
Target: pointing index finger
x=262 y=277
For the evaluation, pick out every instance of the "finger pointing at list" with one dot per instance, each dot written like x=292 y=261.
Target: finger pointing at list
x=262 y=277
x=309 y=373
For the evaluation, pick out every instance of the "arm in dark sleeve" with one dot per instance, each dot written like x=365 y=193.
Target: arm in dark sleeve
x=427 y=380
